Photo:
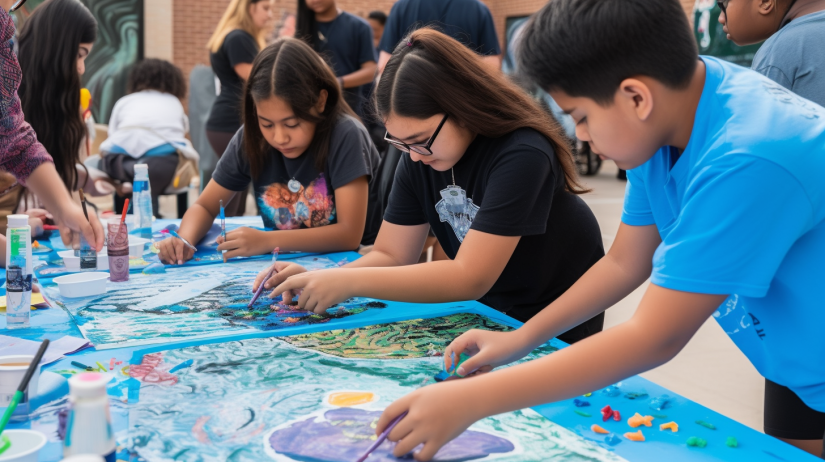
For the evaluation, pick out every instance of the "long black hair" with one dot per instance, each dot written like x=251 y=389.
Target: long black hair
x=50 y=88
x=430 y=73
x=306 y=27
x=292 y=71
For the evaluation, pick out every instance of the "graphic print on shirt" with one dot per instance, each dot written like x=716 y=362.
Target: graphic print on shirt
x=312 y=206
x=456 y=209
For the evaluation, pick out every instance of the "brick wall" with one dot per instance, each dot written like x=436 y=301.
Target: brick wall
x=195 y=20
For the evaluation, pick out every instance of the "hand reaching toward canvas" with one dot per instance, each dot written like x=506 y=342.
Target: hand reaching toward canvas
x=436 y=414
x=487 y=350
x=283 y=270
x=319 y=290
x=173 y=251
x=245 y=242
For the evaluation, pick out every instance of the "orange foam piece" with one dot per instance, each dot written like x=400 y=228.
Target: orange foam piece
x=351 y=398
x=673 y=426
x=638 y=420
x=637 y=436
x=598 y=429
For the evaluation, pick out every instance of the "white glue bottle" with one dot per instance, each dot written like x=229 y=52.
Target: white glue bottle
x=89 y=424
x=142 y=197
x=18 y=272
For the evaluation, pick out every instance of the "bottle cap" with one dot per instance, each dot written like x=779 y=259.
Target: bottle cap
x=88 y=385
x=18 y=221
x=141 y=172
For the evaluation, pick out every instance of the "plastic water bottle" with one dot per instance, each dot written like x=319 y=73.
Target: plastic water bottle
x=88 y=428
x=18 y=272
x=142 y=198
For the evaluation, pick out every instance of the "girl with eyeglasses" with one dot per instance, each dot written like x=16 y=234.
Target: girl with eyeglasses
x=489 y=171
x=310 y=162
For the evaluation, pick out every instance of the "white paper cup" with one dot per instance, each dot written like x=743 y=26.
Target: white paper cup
x=25 y=445
x=72 y=263
x=82 y=284
x=137 y=245
x=12 y=370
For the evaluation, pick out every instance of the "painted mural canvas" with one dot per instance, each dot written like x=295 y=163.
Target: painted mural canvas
x=316 y=397
x=190 y=302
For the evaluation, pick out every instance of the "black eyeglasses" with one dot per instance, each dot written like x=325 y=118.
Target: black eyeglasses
x=418 y=148
x=16 y=6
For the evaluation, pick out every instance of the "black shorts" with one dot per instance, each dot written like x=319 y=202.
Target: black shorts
x=786 y=416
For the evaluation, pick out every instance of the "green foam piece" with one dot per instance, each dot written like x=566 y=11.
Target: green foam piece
x=731 y=442
x=707 y=425
x=695 y=441
x=582 y=413
x=659 y=416
x=5 y=443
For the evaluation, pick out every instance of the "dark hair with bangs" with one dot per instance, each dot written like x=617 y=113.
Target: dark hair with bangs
x=431 y=73
x=586 y=48
x=292 y=71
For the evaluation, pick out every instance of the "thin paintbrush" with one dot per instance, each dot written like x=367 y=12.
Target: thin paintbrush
x=18 y=395
x=83 y=203
x=268 y=275
x=222 y=216
x=381 y=438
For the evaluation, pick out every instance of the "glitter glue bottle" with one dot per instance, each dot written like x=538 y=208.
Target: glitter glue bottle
x=18 y=272
x=142 y=200
x=89 y=423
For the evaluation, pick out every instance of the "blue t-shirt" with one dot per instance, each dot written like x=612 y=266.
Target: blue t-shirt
x=468 y=21
x=794 y=57
x=346 y=44
x=742 y=212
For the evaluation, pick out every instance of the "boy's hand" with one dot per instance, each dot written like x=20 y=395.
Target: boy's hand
x=319 y=289
x=173 y=251
x=487 y=349
x=244 y=242
x=436 y=414
x=283 y=270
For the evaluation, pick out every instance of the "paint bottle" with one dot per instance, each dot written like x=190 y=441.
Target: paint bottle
x=117 y=244
x=87 y=254
x=89 y=423
x=18 y=272
x=142 y=198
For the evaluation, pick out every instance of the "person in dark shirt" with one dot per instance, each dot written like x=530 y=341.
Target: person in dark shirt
x=236 y=41
x=308 y=158
x=377 y=20
x=468 y=21
x=345 y=41
x=492 y=176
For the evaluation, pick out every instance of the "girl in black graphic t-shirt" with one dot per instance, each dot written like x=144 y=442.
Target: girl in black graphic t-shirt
x=490 y=172
x=310 y=162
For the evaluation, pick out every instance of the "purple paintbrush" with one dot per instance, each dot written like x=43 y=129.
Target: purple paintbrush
x=269 y=275
x=381 y=438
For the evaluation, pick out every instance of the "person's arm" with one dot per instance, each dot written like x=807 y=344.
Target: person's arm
x=383 y=58
x=478 y=264
x=625 y=267
x=351 y=211
x=493 y=62
x=195 y=224
x=360 y=77
x=243 y=70
x=662 y=325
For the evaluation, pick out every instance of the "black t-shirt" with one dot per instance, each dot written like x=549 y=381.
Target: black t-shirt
x=292 y=193
x=468 y=21
x=238 y=47
x=514 y=187
x=346 y=44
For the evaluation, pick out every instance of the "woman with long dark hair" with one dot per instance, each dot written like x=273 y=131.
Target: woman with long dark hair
x=54 y=44
x=345 y=41
x=490 y=172
x=309 y=160
x=24 y=157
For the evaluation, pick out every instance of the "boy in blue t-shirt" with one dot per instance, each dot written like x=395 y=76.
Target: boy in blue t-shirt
x=724 y=212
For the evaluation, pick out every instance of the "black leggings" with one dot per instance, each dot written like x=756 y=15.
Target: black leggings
x=121 y=167
x=236 y=206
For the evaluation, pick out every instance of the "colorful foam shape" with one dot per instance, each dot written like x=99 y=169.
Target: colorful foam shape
x=638 y=420
x=597 y=429
x=695 y=441
x=635 y=436
x=672 y=426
